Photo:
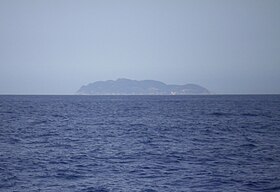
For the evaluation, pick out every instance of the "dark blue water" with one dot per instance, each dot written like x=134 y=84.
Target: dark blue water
x=140 y=143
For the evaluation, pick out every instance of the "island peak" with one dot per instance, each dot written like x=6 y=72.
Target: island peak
x=124 y=86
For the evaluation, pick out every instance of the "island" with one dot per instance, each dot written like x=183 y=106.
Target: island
x=124 y=86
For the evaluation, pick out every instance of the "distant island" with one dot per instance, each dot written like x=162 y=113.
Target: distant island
x=145 y=87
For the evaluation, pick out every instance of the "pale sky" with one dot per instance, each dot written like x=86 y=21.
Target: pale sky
x=56 y=46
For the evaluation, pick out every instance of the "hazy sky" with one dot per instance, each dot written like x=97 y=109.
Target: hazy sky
x=55 y=46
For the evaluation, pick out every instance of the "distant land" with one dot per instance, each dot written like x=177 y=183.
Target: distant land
x=124 y=86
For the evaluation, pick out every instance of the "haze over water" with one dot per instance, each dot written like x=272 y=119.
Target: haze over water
x=56 y=46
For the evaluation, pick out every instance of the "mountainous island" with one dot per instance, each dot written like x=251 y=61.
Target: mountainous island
x=145 y=87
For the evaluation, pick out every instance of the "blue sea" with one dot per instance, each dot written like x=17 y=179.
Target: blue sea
x=140 y=143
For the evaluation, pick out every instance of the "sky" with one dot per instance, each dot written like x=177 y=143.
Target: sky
x=56 y=46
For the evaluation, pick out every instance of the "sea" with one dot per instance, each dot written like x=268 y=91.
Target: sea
x=139 y=143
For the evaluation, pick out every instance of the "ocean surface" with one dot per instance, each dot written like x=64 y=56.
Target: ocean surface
x=140 y=143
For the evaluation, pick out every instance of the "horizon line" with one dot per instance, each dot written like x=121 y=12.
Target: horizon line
x=74 y=94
